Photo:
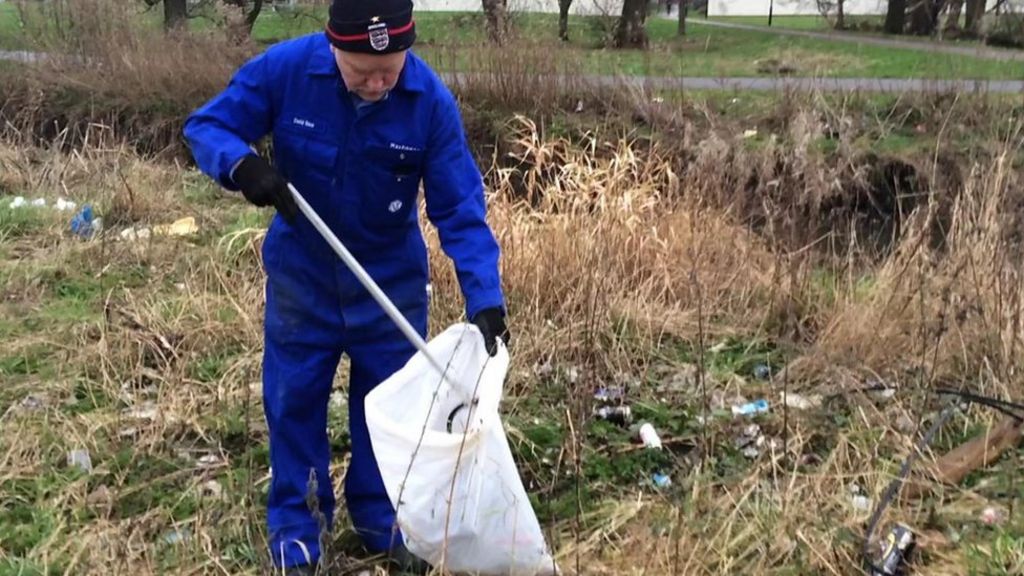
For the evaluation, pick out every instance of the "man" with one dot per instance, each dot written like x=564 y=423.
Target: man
x=358 y=121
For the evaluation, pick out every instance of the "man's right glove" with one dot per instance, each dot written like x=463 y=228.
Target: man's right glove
x=263 y=186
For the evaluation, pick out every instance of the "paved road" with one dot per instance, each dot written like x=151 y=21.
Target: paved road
x=896 y=85
x=921 y=45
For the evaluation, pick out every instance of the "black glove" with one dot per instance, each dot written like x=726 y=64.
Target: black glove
x=491 y=323
x=263 y=186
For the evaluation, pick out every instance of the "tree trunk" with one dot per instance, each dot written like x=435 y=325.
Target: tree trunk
x=497 y=25
x=631 y=32
x=953 y=16
x=840 y=17
x=175 y=14
x=896 y=17
x=254 y=13
x=922 y=18
x=975 y=12
x=563 y=19
x=684 y=7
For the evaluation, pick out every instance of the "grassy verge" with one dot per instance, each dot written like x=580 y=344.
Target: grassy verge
x=696 y=271
x=451 y=41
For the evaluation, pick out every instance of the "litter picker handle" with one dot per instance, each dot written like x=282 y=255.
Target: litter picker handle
x=366 y=280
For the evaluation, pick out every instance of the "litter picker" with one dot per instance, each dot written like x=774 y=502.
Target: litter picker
x=366 y=280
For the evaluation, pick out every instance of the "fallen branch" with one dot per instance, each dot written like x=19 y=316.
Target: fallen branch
x=976 y=453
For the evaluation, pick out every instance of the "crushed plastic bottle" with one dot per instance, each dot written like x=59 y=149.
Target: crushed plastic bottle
x=84 y=223
x=661 y=480
x=751 y=408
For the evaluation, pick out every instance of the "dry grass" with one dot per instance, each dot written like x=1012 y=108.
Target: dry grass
x=620 y=263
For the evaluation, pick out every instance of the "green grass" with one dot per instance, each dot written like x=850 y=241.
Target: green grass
x=803 y=22
x=450 y=40
x=16 y=222
x=11 y=36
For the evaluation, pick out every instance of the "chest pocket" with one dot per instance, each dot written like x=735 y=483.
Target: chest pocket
x=307 y=158
x=390 y=186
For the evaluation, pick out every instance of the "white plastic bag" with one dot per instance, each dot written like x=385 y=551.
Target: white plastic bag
x=491 y=527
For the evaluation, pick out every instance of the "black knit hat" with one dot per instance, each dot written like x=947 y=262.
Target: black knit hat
x=371 y=26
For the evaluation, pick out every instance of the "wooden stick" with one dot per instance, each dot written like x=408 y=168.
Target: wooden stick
x=978 y=452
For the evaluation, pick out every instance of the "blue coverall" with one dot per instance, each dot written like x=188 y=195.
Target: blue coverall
x=360 y=168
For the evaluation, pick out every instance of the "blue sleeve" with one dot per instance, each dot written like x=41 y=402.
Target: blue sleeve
x=220 y=132
x=454 y=193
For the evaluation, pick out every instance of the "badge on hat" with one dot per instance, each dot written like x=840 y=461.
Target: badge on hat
x=379 y=37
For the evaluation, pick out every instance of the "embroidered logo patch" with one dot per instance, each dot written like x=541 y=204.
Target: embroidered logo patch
x=395 y=206
x=379 y=37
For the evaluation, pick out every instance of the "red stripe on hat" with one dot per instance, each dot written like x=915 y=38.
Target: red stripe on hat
x=366 y=35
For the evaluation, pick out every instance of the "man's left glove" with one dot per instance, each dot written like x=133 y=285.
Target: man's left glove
x=491 y=323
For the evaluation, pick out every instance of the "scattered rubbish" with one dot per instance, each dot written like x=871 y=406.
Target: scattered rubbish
x=751 y=441
x=616 y=414
x=18 y=202
x=579 y=106
x=751 y=408
x=213 y=489
x=609 y=393
x=993 y=516
x=181 y=227
x=896 y=549
x=658 y=100
x=147 y=411
x=64 y=205
x=661 y=480
x=133 y=233
x=85 y=224
x=543 y=369
x=179 y=286
x=127 y=432
x=39 y=202
x=855 y=489
x=80 y=459
x=574 y=374
x=649 y=436
x=31 y=402
x=209 y=460
x=978 y=452
x=800 y=402
x=879 y=390
x=762 y=371
x=747 y=134
x=734 y=101
x=861 y=503
x=177 y=536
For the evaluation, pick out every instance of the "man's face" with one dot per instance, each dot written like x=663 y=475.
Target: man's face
x=369 y=76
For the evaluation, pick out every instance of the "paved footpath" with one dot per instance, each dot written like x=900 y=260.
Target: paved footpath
x=883 y=85
x=890 y=85
x=931 y=46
